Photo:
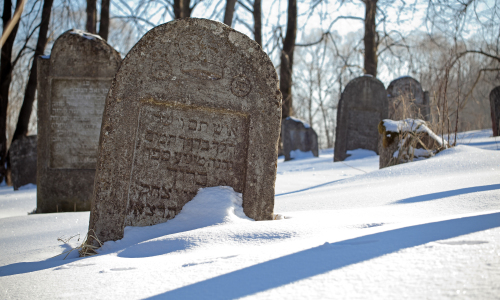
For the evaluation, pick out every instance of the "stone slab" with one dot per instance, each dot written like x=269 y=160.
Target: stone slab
x=407 y=99
x=298 y=135
x=22 y=157
x=72 y=87
x=362 y=106
x=195 y=104
x=495 y=110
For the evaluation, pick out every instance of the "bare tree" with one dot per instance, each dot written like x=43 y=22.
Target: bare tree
x=29 y=95
x=286 y=57
x=91 y=16
x=6 y=66
x=104 y=22
x=229 y=12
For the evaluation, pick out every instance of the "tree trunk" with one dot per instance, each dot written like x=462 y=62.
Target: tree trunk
x=5 y=80
x=257 y=19
x=104 y=23
x=370 y=39
x=91 y=16
x=182 y=9
x=228 y=16
x=287 y=59
x=29 y=94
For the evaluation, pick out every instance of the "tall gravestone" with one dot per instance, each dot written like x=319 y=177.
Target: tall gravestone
x=195 y=104
x=72 y=88
x=362 y=106
x=407 y=99
x=495 y=110
x=22 y=157
x=298 y=135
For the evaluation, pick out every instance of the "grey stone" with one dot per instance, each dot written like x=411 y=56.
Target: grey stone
x=495 y=110
x=407 y=100
x=22 y=157
x=72 y=88
x=298 y=135
x=195 y=104
x=362 y=106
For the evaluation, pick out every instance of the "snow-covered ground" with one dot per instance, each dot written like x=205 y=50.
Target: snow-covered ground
x=428 y=229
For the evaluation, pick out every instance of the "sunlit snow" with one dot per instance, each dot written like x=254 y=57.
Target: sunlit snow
x=426 y=229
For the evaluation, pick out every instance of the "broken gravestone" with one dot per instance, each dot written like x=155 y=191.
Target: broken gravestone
x=72 y=88
x=362 y=106
x=406 y=99
x=405 y=141
x=195 y=104
x=22 y=157
x=495 y=110
x=298 y=135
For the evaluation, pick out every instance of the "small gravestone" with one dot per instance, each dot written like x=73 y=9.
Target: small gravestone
x=72 y=88
x=22 y=157
x=405 y=141
x=298 y=135
x=495 y=110
x=362 y=106
x=195 y=104
x=406 y=99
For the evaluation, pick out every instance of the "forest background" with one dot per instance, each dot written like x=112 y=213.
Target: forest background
x=452 y=47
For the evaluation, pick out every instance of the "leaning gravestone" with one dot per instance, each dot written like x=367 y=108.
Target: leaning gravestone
x=22 y=157
x=298 y=135
x=406 y=99
x=72 y=88
x=362 y=106
x=495 y=110
x=195 y=104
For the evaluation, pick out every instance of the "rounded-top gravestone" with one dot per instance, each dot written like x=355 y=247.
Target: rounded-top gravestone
x=195 y=104
x=72 y=87
x=406 y=99
x=495 y=110
x=362 y=106
x=298 y=135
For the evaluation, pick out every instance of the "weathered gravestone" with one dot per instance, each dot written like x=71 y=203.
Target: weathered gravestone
x=406 y=99
x=495 y=110
x=298 y=135
x=195 y=104
x=72 y=88
x=362 y=106
x=22 y=157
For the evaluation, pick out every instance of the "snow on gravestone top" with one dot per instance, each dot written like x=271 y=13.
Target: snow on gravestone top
x=195 y=104
x=72 y=87
x=362 y=106
x=406 y=97
x=495 y=110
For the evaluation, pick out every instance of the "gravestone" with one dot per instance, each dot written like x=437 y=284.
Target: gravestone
x=406 y=99
x=362 y=106
x=298 y=135
x=495 y=110
x=195 y=104
x=22 y=157
x=72 y=87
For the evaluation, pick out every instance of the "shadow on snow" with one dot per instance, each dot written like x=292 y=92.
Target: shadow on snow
x=325 y=258
x=457 y=192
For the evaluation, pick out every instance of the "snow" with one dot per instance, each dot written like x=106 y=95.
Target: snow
x=306 y=125
x=410 y=125
x=87 y=35
x=425 y=229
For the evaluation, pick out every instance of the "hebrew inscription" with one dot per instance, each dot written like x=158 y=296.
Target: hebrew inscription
x=179 y=151
x=75 y=121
